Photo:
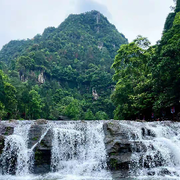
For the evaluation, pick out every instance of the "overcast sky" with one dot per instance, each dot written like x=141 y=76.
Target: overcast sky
x=22 y=19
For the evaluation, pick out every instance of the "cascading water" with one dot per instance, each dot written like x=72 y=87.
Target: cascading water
x=158 y=156
x=16 y=157
x=78 y=150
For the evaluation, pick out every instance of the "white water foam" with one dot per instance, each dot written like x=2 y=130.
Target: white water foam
x=78 y=152
x=159 y=157
x=16 y=150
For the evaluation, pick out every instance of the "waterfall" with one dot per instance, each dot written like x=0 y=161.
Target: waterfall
x=16 y=157
x=78 y=149
x=158 y=154
x=77 y=153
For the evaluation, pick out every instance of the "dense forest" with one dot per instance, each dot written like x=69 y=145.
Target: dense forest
x=63 y=72
x=148 y=77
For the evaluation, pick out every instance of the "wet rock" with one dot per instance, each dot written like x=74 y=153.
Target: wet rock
x=40 y=140
x=42 y=161
x=151 y=173
x=13 y=121
x=118 y=149
x=164 y=172
x=1 y=143
x=41 y=121
x=6 y=129
x=147 y=132
x=35 y=137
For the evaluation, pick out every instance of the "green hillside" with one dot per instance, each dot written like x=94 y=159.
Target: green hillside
x=64 y=71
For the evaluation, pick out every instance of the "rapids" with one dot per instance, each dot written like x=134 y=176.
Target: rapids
x=78 y=151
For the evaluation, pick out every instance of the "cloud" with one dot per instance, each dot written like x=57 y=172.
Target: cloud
x=22 y=19
x=134 y=17
x=88 y=5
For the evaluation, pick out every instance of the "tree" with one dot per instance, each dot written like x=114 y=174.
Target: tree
x=2 y=93
x=10 y=99
x=166 y=67
x=25 y=62
x=35 y=105
x=132 y=93
x=2 y=110
x=74 y=58
x=100 y=115
x=73 y=110
x=89 y=115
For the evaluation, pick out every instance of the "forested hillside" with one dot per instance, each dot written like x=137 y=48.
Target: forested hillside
x=65 y=71
x=148 y=77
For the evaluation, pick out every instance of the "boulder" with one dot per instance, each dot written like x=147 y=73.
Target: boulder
x=40 y=141
x=118 y=149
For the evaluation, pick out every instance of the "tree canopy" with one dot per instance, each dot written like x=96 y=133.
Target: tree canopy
x=147 y=77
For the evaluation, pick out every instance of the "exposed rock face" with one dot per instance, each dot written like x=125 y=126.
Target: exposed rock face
x=42 y=146
x=1 y=143
x=118 y=149
x=41 y=78
x=132 y=147
x=95 y=94
x=23 y=78
x=41 y=121
x=6 y=128
x=121 y=143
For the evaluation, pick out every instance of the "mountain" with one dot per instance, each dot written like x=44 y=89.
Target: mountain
x=68 y=67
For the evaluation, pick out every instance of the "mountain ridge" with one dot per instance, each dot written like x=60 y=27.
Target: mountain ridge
x=71 y=61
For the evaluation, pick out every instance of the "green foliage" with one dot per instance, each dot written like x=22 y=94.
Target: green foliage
x=89 y=115
x=133 y=76
x=100 y=115
x=177 y=6
x=165 y=67
x=2 y=111
x=73 y=60
x=73 y=110
x=148 y=78
x=10 y=97
x=169 y=21
x=35 y=105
